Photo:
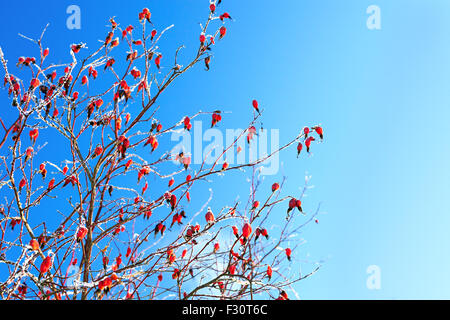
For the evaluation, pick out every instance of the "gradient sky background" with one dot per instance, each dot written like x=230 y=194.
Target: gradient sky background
x=382 y=96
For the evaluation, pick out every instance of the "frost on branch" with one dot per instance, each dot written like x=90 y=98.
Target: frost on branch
x=111 y=215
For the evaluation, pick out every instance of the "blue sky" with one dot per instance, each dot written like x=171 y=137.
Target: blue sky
x=382 y=96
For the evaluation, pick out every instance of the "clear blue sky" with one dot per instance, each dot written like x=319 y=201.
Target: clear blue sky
x=382 y=96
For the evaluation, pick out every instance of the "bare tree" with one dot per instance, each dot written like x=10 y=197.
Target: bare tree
x=113 y=240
